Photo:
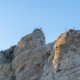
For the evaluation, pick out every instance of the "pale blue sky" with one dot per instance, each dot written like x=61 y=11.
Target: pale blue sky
x=20 y=17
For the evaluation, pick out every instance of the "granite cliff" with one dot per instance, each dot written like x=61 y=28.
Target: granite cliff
x=33 y=59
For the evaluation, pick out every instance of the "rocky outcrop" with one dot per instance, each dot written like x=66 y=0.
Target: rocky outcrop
x=6 y=56
x=67 y=56
x=30 y=41
x=32 y=59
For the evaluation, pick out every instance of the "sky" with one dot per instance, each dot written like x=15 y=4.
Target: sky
x=20 y=17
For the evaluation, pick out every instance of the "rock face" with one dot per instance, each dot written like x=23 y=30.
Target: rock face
x=33 y=40
x=32 y=59
x=6 y=56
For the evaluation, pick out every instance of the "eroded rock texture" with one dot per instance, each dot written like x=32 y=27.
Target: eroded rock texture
x=32 y=59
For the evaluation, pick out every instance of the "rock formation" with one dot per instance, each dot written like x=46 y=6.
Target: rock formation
x=30 y=41
x=32 y=59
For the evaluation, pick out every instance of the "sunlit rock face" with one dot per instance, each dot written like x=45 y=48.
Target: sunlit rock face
x=66 y=60
x=35 y=39
x=35 y=60
x=32 y=40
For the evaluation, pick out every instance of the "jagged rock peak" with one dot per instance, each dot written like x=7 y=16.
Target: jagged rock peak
x=35 y=39
x=67 y=56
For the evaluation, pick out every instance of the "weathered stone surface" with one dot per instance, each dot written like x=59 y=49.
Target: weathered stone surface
x=29 y=64
x=6 y=56
x=33 y=40
x=33 y=60
x=67 y=56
